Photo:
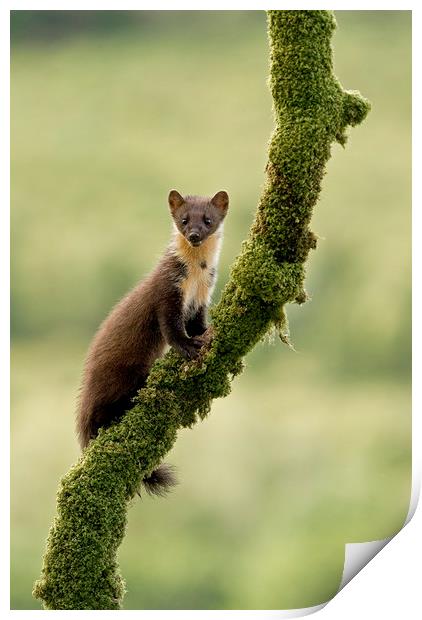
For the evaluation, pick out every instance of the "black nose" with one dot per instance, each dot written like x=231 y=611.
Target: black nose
x=193 y=237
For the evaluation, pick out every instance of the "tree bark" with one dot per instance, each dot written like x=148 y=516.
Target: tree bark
x=311 y=112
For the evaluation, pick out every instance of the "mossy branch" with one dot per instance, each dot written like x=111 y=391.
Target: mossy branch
x=311 y=112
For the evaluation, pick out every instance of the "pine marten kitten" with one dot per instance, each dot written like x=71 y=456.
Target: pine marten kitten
x=168 y=307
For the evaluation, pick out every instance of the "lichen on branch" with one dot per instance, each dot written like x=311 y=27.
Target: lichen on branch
x=311 y=111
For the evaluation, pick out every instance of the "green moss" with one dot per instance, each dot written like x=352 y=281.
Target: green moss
x=80 y=568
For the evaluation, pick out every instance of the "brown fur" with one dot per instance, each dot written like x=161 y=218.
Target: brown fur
x=167 y=308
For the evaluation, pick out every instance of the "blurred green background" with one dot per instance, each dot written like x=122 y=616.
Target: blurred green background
x=312 y=449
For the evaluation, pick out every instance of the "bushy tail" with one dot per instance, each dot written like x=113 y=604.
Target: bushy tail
x=160 y=481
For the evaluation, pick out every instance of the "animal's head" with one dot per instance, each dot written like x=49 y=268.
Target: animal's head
x=196 y=217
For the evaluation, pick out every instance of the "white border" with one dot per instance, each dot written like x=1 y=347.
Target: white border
x=200 y=5
x=4 y=306
x=389 y=585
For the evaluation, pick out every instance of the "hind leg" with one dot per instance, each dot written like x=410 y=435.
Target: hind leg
x=106 y=414
x=105 y=411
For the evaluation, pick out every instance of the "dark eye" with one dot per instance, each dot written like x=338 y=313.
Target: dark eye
x=184 y=221
x=207 y=221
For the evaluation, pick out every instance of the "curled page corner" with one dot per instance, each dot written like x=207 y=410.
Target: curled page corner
x=357 y=555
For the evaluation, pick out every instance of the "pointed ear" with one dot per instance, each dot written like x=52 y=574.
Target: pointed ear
x=175 y=201
x=221 y=201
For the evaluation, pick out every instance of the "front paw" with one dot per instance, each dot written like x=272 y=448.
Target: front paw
x=190 y=347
